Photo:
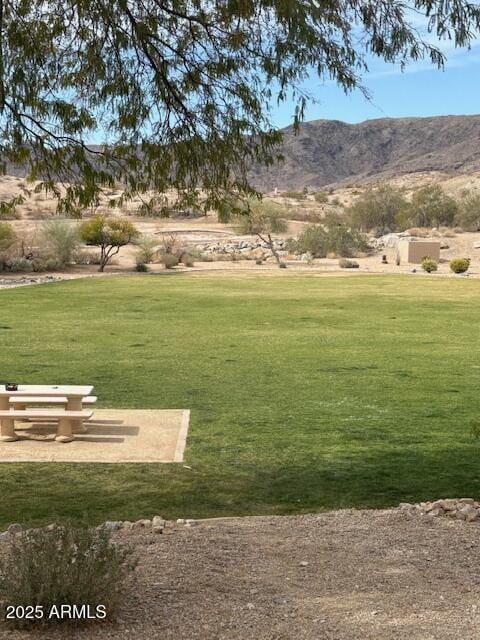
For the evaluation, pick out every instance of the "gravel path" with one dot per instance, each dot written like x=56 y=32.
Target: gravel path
x=344 y=575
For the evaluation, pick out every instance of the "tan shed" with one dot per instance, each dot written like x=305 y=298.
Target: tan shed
x=414 y=251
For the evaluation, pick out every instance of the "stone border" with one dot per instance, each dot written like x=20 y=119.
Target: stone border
x=182 y=437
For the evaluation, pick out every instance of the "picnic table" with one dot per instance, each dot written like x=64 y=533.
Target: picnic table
x=70 y=419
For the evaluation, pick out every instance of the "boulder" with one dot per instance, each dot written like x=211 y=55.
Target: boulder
x=15 y=528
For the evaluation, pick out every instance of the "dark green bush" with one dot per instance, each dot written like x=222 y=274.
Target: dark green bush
x=459 y=265
x=141 y=267
x=65 y=565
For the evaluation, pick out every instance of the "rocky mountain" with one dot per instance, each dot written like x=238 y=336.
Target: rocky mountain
x=333 y=152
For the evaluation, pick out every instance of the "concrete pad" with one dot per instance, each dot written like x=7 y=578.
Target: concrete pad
x=114 y=435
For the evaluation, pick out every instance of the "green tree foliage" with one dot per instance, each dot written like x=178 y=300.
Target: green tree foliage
x=378 y=209
x=109 y=234
x=431 y=207
x=332 y=236
x=178 y=92
x=468 y=215
x=263 y=218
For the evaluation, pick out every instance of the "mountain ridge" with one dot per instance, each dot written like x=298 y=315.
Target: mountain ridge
x=332 y=152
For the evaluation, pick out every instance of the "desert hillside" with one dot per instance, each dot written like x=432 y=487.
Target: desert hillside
x=332 y=152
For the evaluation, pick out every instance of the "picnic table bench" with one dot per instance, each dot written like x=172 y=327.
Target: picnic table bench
x=70 y=417
x=64 y=418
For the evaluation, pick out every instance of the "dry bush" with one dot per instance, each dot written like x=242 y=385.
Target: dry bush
x=345 y=263
x=147 y=249
x=419 y=232
x=60 y=239
x=65 y=565
x=448 y=233
x=187 y=259
x=85 y=257
x=169 y=260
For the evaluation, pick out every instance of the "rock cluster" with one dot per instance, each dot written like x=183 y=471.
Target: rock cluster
x=459 y=508
x=15 y=282
x=156 y=525
x=254 y=249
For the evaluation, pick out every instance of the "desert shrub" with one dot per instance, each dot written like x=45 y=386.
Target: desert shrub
x=141 y=267
x=7 y=236
x=431 y=207
x=336 y=202
x=459 y=265
x=258 y=261
x=47 y=263
x=61 y=240
x=187 y=259
x=378 y=208
x=345 y=263
x=294 y=195
x=429 y=264
x=321 y=197
x=468 y=215
x=320 y=240
x=458 y=229
x=448 y=233
x=169 y=260
x=172 y=244
x=418 y=232
x=296 y=213
x=65 y=565
x=20 y=264
x=147 y=248
x=85 y=257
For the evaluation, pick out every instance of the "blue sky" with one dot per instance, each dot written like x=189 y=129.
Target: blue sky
x=421 y=90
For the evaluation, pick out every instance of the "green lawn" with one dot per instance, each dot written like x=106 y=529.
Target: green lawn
x=306 y=393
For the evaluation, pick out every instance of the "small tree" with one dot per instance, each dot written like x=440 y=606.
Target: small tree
x=378 y=209
x=263 y=218
x=431 y=207
x=109 y=234
x=469 y=212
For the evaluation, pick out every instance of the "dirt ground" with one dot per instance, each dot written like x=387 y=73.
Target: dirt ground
x=343 y=575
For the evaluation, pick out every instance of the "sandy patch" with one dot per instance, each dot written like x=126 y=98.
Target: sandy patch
x=113 y=436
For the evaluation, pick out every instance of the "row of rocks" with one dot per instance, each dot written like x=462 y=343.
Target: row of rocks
x=14 y=282
x=157 y=524
x=466 y=509
x=238 y=246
